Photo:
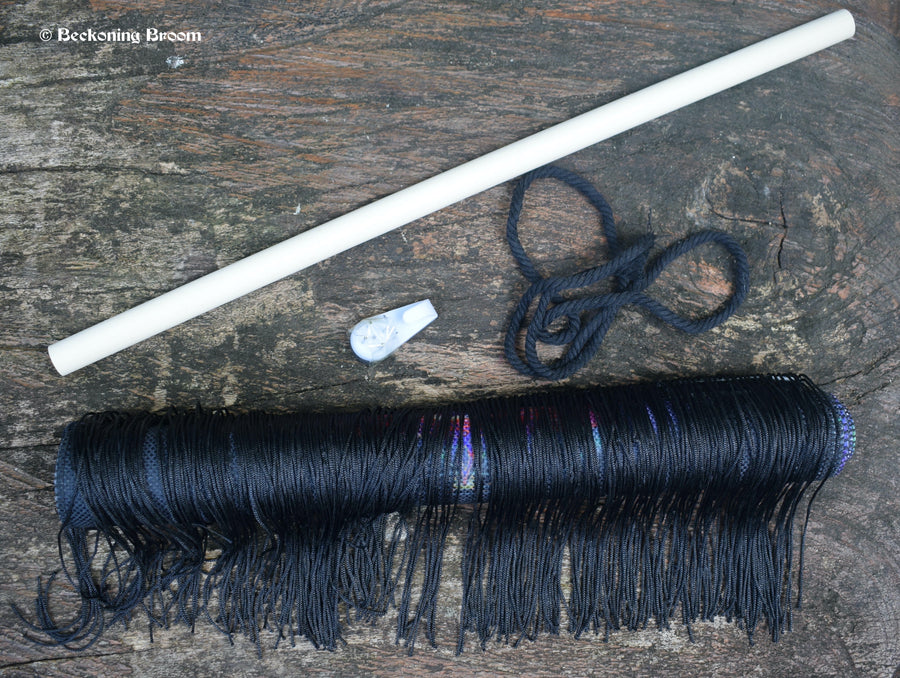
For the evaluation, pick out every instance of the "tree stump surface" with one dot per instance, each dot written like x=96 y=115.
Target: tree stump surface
x=128 y=169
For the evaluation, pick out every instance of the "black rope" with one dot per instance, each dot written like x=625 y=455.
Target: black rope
x=586 y=319
x=590 y=510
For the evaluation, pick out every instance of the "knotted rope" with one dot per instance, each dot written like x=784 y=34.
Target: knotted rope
x=587 y=318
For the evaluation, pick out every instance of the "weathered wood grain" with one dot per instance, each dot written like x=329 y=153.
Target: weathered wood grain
x=122 y=177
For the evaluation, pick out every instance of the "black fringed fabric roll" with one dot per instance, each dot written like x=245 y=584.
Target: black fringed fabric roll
x=593 y=510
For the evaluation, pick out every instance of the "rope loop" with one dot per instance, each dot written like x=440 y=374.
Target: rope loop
x=564 y=312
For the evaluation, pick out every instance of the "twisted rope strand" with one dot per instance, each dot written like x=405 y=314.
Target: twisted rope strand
x=587 y=318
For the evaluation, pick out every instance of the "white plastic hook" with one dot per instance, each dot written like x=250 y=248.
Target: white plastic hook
x=375 y=338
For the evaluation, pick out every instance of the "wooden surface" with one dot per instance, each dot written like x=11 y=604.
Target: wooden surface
x=122 y=177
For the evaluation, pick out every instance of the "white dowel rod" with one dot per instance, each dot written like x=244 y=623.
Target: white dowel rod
x=431 y=195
